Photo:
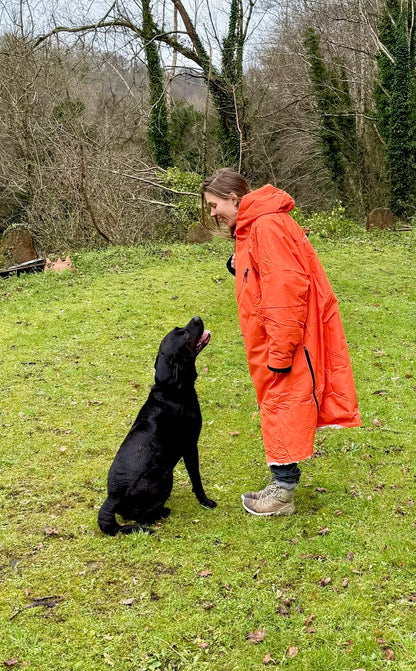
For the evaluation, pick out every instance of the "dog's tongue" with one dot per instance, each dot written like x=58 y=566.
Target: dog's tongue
x=203 y=341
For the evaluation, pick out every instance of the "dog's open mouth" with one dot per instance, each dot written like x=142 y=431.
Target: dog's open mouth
x=203 y=341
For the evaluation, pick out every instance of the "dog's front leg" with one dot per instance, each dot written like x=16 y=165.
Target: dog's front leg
x=191 y=459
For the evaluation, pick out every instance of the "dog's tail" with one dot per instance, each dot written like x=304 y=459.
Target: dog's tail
x=109 y=525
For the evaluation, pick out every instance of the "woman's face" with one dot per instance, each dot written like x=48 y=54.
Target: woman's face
x=225 y=209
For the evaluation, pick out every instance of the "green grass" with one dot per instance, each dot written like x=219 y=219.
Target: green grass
x=77 y=363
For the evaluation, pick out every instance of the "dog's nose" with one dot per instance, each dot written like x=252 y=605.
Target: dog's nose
x=195 y=323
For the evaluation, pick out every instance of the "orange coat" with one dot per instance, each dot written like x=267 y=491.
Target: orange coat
x=289 y=318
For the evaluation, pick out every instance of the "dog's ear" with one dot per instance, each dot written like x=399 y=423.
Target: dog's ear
x=167 y=370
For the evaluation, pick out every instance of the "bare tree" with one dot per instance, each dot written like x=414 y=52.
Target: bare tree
x=193 y=41
x=287 y=135
x=73 y=148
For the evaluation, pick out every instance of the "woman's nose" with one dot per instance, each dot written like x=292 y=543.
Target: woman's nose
x=212 y=212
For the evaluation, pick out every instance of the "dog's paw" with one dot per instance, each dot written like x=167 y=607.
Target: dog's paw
x=208 y=503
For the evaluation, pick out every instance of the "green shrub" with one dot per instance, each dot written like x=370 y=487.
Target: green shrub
x=332 y=224
x=186 y=211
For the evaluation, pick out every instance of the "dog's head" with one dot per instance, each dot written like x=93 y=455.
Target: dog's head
x=175 y=361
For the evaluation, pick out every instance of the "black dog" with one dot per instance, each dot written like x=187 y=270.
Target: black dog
x=167 y=428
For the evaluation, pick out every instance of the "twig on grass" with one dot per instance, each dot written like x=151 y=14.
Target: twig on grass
x=46 y=601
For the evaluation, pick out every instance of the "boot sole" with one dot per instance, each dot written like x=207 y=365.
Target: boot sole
x=288 y=510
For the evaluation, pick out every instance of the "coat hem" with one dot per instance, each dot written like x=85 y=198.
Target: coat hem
x=337 y=426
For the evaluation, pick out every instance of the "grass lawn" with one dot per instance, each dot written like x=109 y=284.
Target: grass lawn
x=331 y=588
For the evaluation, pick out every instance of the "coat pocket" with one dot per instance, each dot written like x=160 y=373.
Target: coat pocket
x=312 y=374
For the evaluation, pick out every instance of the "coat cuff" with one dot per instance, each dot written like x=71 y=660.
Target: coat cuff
x=280 y=370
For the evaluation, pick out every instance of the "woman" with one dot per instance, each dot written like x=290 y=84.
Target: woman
x=296 y=348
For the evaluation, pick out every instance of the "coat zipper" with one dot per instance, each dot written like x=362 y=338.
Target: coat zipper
x=308 y=359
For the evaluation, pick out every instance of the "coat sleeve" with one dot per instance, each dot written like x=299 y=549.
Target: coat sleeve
x=284 y=287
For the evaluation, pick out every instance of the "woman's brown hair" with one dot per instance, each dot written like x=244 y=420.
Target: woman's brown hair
x=222 y=183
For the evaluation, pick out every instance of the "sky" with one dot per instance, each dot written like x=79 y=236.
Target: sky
x=210 y=17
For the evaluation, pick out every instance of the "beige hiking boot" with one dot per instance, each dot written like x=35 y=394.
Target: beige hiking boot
x=258 y=495
x=277 y=501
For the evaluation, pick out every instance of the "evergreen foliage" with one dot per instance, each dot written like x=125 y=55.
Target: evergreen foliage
x=395 y=101
x=158 y=123
x=338 y=134
x=225 y=84
x=185 y=130
x=232 y=72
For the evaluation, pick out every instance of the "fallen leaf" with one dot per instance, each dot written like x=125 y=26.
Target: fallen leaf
x=127 y=602
x=345 y=582
x=282 y=610
x=310 y=630
x=388 y=654
x=267 y=658
x=205 y=574
x=107 y=659
x=292 y=651
x=203 y=645
x=11 y=662
x=323 y=531
x=234 y=433
x=208 y=606
x=380 y=392
x=338 y=513
x=350 y=556
x=256 y=636
x=227 y=587
x=306 y=555
x=309 y=619
x=376 y=422
x=48 y=531
x=324 y=581
x=321 y=489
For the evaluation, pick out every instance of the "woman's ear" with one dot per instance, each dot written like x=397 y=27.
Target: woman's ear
x=235 y=199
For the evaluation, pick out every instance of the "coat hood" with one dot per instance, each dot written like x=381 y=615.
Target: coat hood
x=266 y=200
